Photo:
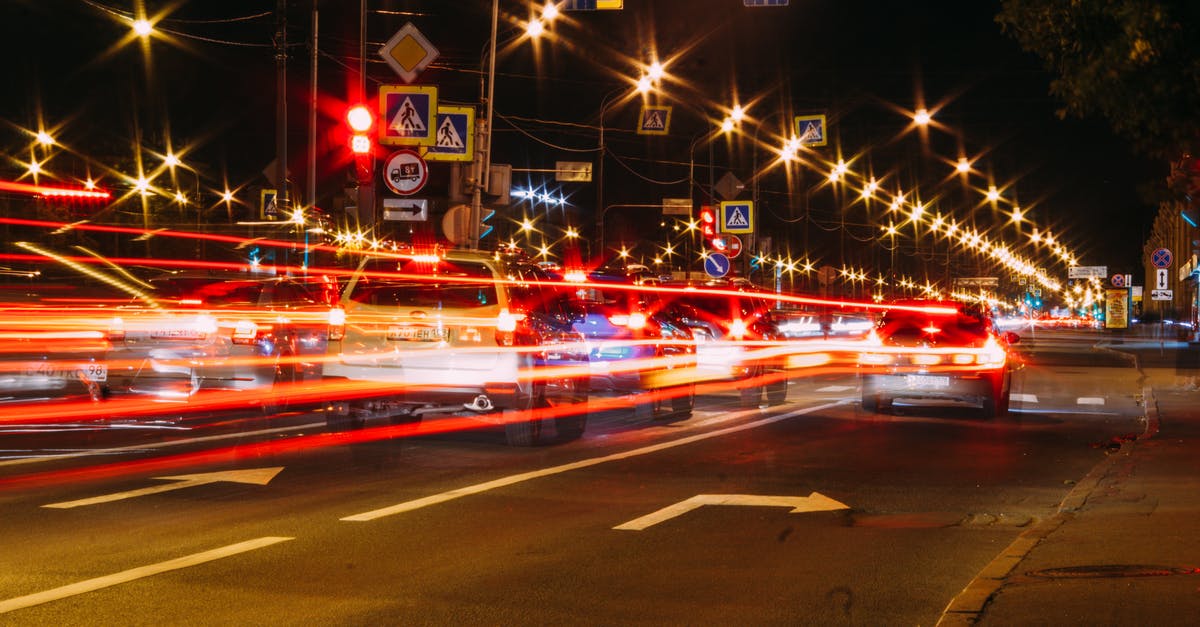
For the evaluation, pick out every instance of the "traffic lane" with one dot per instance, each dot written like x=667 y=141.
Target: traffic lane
x=545 y=548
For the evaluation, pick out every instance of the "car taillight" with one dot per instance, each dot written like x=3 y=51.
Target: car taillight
x=506 y=327
x=993 y=354
x=337 y=324
x=737 y=328
x=116 y=330
x=635 y=320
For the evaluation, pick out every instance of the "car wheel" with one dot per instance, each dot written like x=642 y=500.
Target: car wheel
x=752 y=396
x=572 y=425
x=521 y=426
x=340 y=417
x=683 y=404
x=281 y=385
x=777 y=392
x=645 y=405
x=871 y=400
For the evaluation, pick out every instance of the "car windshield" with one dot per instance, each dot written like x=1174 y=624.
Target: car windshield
x=407 y=283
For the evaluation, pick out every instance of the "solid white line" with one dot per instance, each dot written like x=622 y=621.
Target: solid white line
x=1024 y=398
x=835 y=388
x=154 y=445
x=502 y=482
x=1089 y=400
x=91 y=585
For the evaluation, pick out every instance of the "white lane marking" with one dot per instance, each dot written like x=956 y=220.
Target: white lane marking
x=502 y=482
x=815 y=502
x=254 y=476
x=154 y=445
x=1089 y=400
x=1024 y=398
x=836 y=388
x=91 y=585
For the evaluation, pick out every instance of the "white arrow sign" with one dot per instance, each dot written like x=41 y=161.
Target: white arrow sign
x=815 y=502
x=257 y=476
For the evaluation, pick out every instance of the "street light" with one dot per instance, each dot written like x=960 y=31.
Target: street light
x=644 y=86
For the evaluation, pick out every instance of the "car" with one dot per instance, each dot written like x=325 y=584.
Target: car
x=231 y=331
x=459 y=331
x=636 y=346
x=737 y=337
x=932 y=349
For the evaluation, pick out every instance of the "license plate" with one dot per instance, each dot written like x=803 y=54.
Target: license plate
x=417 y=334
x=176 y=334
x=95 y=372
x=926 y=382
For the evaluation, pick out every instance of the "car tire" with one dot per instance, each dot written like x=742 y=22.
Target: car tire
x=751 y=396
x=571 y=426
x=340 y=417
x=521 y=426
x=683 y=404
x=282 y=384
x=645 y=405
x=777 y=392
x=871 y=398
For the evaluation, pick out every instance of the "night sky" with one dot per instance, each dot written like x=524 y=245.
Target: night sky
x=863 y=64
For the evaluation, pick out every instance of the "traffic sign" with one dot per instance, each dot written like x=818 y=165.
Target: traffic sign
x=737 y=216
x=1161 y=258
x=1087 y=272
x=716 y=265
x=409 y=115
x=1162 y=294
x=408 y=52
x=1160 y=279
x=654 y=120
x=405 y=172
x=454 y=139
x=733 y=246
x=1118 y=280
x=810 y=130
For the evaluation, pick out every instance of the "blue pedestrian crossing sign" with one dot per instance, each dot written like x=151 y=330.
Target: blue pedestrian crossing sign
x=454 y=139
x=810 y=130
x=409 y=115
x=654 y=120
x=716 y=265
x=737 y=216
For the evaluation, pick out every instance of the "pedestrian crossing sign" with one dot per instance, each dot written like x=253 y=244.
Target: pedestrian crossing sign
x=408 y=115
x=654 y=120
x=810 y=130
x=737 y=216
x=454 y=139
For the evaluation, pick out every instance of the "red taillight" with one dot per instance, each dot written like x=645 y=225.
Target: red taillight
x=737 y=329
x=245 y=332
x=635 y=320
x=116 y=330
x=506 y=327
x=337 y=324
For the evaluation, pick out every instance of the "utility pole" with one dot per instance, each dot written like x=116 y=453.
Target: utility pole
x=282 y=204
x=483 y=145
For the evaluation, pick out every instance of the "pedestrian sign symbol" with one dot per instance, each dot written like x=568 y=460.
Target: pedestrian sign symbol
x=409 y=114
x=654 y=120
x=810 y=130
x=737 y=216
x=455 y=137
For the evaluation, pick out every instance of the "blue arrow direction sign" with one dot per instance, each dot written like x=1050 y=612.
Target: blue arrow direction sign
x=454 y=139
x=716 y=265
x=409 y=115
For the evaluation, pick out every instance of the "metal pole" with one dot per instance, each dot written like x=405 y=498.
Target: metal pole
x=483 y=160
x=312 y=116
x=281 y=197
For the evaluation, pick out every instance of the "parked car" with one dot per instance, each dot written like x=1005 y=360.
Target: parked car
x=737 y=337
x=223 y=331
x=636 y=346
x=463 y=332
x=938 y=350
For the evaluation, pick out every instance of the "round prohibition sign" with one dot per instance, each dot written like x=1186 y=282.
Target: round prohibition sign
x=405 y=172
x=1161 y=258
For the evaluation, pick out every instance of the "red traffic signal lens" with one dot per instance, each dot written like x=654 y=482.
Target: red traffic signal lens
x=360 y=144
x=360 y=119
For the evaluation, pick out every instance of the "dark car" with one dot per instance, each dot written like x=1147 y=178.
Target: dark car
x=737 y=338
x=223 y=331
x=636 y=345
x=938 y=350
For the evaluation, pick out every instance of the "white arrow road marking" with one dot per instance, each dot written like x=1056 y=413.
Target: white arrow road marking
x=91 y=585
x=502 y=482
x=815 y=502
x=257 y=476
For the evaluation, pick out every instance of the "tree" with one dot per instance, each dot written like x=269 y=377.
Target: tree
x=1136 y=63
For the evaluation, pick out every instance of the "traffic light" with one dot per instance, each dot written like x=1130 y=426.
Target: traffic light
x=361 y=120
x=708 y=222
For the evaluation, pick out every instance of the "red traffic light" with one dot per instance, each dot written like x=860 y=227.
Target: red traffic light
x=708 y=221
x=360 y=118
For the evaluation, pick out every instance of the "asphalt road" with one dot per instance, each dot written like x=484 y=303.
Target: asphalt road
x=812 y=512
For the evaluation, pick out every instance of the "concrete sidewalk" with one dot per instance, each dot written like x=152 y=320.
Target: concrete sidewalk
x=1124 y=548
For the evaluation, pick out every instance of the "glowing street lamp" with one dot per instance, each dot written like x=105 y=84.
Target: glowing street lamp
x=922 y=117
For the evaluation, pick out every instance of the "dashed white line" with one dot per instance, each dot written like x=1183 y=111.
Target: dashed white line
x=1024 y=398
x=1089 y=400
x=91 y=585
x=836 y=388
x=502 y=482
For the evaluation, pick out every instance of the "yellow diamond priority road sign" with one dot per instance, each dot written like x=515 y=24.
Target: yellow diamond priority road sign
x=408 y=52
